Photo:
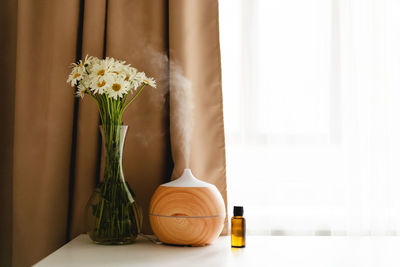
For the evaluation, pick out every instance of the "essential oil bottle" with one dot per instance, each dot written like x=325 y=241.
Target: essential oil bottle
x=238 y=228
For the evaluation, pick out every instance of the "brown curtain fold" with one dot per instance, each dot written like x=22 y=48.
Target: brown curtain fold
x=51 y=160
x=8 y=15
x=85 y=160
x=46 y=43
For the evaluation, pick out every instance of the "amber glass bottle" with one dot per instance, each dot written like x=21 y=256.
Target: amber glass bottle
x=238 y=228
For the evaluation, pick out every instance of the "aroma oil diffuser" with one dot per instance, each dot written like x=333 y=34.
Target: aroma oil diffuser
x=187 y=211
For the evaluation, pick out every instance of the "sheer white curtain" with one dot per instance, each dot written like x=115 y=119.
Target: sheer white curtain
x=312 y=114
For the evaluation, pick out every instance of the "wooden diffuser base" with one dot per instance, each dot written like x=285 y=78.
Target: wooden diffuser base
x=187 y=211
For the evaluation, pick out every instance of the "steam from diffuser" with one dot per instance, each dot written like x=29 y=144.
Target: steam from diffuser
x=181 y=110
x=170 y=79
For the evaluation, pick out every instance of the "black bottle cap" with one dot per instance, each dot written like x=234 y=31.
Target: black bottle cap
x=237 y=211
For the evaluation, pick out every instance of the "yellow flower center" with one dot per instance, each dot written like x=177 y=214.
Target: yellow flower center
x=116 y=72
x=116 y=87
x=127 y=77
x=101 y=84
x=76 y=75
x=146 y=81
x=101 y=72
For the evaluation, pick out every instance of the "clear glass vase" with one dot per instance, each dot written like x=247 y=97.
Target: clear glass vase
x=113 y=215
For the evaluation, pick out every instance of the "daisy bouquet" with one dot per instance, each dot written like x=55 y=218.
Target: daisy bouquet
x=110 y=83
x=113 y=214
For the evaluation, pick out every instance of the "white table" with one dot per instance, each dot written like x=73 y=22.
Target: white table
x=271 y=251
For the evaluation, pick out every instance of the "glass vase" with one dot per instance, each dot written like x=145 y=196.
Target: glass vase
x=113 y=215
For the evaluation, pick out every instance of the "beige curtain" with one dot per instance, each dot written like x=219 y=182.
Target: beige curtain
x=50 y=157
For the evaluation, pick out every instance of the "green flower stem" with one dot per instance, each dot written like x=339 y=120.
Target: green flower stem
x=134 y=97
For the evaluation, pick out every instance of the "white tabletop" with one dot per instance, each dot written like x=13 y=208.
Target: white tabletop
x=271 y=251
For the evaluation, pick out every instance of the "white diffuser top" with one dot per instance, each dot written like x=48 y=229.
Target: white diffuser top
x=187 y=180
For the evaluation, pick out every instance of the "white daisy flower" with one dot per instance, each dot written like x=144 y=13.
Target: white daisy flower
x=102 y=73
x=141 y=78
x=129 y=72
x=77 y=74
x=138 y=79
x=80 y=92
x=117 y=67
x=82 y=88
x=118 y=87
x=87 y=61
x=114 y=66
x=100 y=84
x=150 y=81
x=100 y=68
x=79 y=70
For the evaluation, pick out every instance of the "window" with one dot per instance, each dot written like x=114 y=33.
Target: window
x=311 y=97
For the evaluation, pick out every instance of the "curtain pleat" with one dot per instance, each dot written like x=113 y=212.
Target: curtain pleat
x=85 y=166
x=8 y=16
x=46 y=44
x=56 y=143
